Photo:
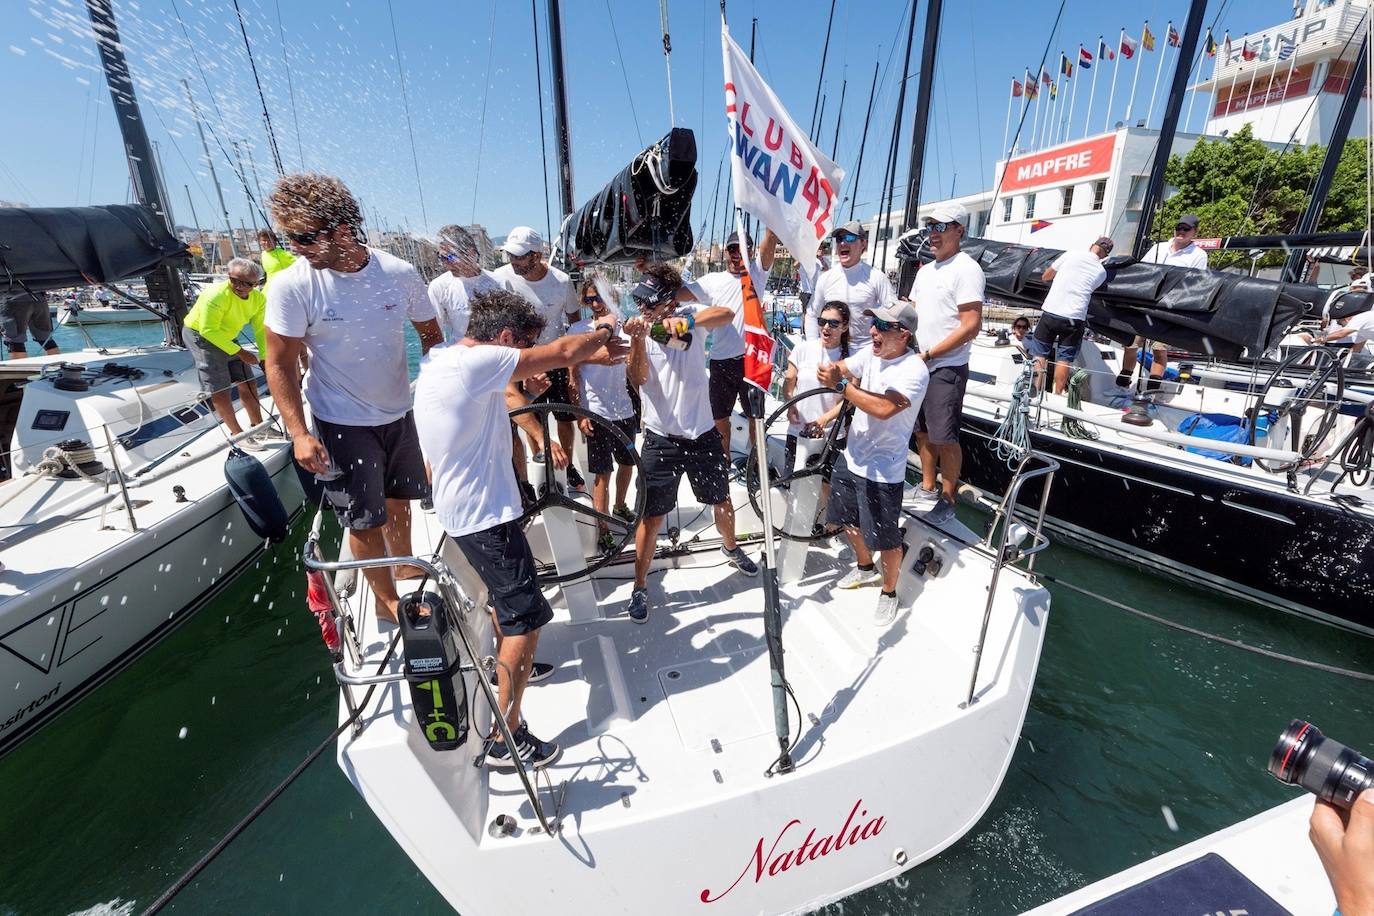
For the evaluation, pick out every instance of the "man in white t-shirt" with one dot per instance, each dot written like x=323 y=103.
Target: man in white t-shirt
x=1179 y=251
x=551 y=293
x=462 y=279
x=347 y=306
x=806 y=286
x=464 y=432
x=1073 y=277
x=722 y=288
x=680 y=436
x=852 y=281
x=886 y=382
x=1359 y=328
x=948 y=294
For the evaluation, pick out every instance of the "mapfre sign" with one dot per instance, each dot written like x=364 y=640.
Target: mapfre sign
x=1061 y=165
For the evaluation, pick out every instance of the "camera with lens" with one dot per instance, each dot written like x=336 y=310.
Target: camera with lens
x=1326 y=768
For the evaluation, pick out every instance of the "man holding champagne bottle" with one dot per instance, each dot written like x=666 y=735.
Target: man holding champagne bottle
x=668 y=367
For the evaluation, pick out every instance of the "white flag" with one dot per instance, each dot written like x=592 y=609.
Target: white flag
x=780 y=177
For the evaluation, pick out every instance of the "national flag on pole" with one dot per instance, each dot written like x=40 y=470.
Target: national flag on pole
x=1226 y=46
x=1128 y=46
x=1174 y=38
x=1286 y=48
x=1045 y=76
x=1065 y=65
x=1032 y=87
x=779 y=177
x=1054 y=91
x=1085 y=58
x=1147 y=38
x=1210 y=45
x=1104 y=52
x=1040 y=224
x=1016 y=88
x=1246 y=52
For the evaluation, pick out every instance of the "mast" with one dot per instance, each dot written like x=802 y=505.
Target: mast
x=137 y=149
x=863 y=140
x=820 y=77
x=1154 y=190
x=1292 y=268
x=560 y=112
x=918 y=134
x=891 y=183
x=219 y=191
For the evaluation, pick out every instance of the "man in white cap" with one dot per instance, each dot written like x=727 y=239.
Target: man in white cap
x=886 y=383
x=551 y=293
x=463 y=278
x=948 y=294
x=851 y=281
x=1181 y=251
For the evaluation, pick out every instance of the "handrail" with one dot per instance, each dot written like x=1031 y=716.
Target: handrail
x=454 y=598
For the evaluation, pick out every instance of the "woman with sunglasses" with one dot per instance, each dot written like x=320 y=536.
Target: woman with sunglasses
x=810 y=418
x=604 y=392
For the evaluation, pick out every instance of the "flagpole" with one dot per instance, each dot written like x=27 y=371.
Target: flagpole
x=1039 y=109
x=1073 y=95
x=1139 y=54
x=1111 y=97
x=1249 y=90
x=1189 y=119
x=1006 y=124
x=1158 y=71
x=1292 y=62
x=1092 y=89
x=1273 y=70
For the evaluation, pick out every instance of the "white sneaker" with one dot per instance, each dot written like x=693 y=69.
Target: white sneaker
x=920 y=499
x=887 y=610
x=251 y=443
x=858 y=578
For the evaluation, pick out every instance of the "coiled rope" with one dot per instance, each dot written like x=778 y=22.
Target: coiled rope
x=1012 y=440
x=57 y=460
x=1070 y=427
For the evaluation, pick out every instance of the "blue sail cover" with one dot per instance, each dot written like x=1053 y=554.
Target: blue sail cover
x=43 y=248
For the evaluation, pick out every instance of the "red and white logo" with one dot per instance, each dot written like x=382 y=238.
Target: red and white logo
x=1061 y=165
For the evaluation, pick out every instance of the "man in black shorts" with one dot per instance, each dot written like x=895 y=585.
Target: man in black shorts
x=680 y=436
x=464 y=430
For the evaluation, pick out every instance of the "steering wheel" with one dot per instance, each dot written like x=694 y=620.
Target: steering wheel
x=822 y=463
x=551 y=494
x=1323 y=364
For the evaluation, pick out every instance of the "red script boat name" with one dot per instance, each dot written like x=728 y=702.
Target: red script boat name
x=857 y=828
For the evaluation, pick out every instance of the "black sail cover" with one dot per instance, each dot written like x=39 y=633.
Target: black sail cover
x=1217 y=314
x=45 y=248
x=644 y=212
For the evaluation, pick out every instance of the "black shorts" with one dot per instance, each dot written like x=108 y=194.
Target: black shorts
x=1056 y=334
x=664 y=461
x=602 y=446
x=502 y=559
x=872 y=507
x=376 y=463
x=943 y=407
x=558 y=394
x=728 y=386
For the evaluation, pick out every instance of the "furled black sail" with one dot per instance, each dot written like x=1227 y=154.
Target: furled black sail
x=45 y=248
x=1202 y=311
x=644 y=212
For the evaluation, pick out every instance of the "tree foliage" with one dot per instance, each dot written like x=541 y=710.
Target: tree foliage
x=1237 y=185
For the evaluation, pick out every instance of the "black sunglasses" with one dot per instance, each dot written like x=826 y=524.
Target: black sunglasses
x=829 y=322
x=1183 y=227
x=590 y=298
x=883 y=324
x=940 y=227
x=309 y=238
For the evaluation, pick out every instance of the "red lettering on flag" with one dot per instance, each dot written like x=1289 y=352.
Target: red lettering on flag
x=758 y=343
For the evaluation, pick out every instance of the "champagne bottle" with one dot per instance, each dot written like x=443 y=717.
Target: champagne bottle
x=659 y=334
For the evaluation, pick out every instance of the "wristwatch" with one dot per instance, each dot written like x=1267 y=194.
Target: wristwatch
x=842 y=385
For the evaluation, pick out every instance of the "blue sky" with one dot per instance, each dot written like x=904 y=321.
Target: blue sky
x=464 y=57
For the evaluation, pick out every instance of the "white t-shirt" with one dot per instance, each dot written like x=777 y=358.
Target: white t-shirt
x=722 y=289
x=1191 y=256
x=675 y=397
x=1076 y=275
x=354 y=326
x=552 y=296
x=877 y=448
x=603 y=387
x=452 y=300
x=464 y=431
x=940 y=288
x=808 y=357
x=862 y=287
x=1362 y=326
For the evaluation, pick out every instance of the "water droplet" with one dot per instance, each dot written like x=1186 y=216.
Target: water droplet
x=182 y=734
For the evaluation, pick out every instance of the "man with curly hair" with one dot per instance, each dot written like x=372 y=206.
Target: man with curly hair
x=347 y=305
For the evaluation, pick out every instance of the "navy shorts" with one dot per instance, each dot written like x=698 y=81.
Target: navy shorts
x=602 y=447
x=502 y=559
x=1055 y=334
x=872 y=507
x=664 y=461
x=943 y=406
x=376 y=463
x=728 y=386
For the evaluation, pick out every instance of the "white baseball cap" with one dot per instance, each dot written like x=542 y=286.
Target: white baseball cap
x=949 y=213
x=522 y=240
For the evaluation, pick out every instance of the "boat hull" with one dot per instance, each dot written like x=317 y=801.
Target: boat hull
x=1301 y=554
x=71 y=632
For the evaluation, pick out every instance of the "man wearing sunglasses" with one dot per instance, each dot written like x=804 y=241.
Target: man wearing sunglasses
x=851 y=280
x=886 y=382
x=551 y=293
x=948 y=293
x=347 y=305
x=221 y=311
x=463 y=278
x=680 y=436
x=1179 y=251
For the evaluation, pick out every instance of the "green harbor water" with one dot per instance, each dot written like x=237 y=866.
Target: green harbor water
x=109 y=804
